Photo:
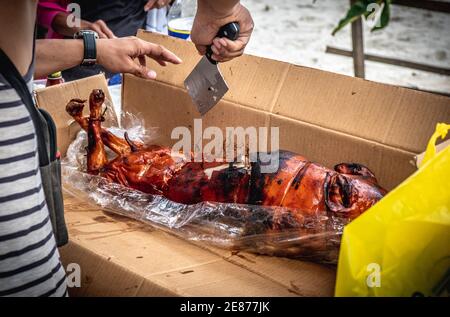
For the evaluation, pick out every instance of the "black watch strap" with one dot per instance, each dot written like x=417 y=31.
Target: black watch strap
x=90 y=48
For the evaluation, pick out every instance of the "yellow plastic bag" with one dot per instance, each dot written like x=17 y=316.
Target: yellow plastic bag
x=401 y=246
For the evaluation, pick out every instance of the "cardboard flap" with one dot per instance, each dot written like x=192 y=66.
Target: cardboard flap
x=55 y=98
x=398 y=117
x=394 y=116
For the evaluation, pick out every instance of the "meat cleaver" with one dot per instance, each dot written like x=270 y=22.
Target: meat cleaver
x=205 y=83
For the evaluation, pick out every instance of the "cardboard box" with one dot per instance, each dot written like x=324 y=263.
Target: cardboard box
x=326 y=117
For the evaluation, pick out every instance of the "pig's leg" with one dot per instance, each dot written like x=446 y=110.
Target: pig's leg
x=96 y=155
x=119 y=145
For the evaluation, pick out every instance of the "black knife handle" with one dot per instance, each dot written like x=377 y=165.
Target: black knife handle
x=230 y=31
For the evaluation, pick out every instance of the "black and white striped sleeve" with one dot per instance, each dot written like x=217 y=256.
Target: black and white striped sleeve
x=29 y=259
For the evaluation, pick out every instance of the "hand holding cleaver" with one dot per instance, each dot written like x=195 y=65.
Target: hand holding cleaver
x=205 y=84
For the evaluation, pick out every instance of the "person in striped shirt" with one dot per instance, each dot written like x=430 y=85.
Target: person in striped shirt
x=29 y=258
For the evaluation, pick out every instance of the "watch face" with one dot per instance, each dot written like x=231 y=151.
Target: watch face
x=80 y=34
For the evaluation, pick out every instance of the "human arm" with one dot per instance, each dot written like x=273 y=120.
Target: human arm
x=53 y=15
x=60 y=26
x=116 y=55
x=46 y=12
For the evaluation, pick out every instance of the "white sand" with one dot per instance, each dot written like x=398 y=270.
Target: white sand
x=298 y=31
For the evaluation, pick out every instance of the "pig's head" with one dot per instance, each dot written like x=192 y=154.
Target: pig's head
x=352 y=190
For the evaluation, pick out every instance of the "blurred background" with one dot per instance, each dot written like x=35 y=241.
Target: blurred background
x=299 y=31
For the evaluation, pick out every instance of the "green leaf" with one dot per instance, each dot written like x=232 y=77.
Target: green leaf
x=359 y=9
x=384 y=17
x=355 y=12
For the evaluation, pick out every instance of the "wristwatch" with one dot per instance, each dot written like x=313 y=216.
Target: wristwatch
x=90 y=49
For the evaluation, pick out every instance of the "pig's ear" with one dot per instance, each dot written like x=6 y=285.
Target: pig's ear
x=356 y=170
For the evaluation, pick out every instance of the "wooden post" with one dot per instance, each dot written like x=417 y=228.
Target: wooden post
x=358 y=46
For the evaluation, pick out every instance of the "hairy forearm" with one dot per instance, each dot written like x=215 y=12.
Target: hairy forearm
x=220 y=8
x=56 y=55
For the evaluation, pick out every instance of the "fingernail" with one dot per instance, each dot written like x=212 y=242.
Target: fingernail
x=151 y=74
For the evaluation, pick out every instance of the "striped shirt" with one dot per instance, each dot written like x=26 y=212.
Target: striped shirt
x=29 y=259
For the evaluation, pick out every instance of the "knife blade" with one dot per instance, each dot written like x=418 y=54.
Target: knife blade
x=205 y=84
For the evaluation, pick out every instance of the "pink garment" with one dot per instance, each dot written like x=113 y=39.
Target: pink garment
x=47 y=9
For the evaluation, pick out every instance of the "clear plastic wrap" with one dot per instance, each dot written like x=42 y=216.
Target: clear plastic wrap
x=227 y=225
